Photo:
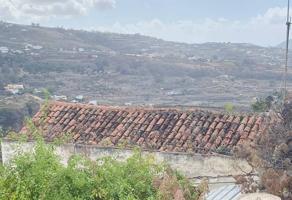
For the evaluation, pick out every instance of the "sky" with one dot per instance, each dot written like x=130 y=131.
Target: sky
x=260 y=22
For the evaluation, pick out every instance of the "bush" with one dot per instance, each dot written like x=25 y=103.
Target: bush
x=40 y=175
x=229 y=107
x=273 y=101
x=260 y=106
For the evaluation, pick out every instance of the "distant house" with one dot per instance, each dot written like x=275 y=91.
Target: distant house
x=79 y=98
x=92 y=102
x=4 y=50
x=199 y=143
x=36 y=47
x=81 y=49
x=59 y=97
x=37 y=91
x=14 y=88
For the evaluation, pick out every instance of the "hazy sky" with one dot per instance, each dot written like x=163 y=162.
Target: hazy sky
x=260 y=22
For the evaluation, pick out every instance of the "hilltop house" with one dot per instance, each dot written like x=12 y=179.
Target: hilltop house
x=198 y=143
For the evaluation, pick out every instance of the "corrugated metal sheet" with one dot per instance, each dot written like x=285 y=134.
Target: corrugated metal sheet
x=229 y=192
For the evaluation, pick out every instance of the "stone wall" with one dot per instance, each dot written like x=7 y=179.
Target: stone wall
x=217 y=168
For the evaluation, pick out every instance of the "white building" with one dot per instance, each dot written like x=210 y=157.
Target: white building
x=79 y=98
x=14 y=88
x=59 y=97
x=4 y=50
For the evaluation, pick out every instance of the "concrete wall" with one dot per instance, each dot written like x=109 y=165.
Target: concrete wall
x=194 y=166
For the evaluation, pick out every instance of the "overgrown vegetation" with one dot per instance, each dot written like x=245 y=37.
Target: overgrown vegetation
x=272 y=155
x=41 y=175
x=264 y=104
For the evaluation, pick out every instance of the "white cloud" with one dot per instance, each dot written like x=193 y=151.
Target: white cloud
x=104 y=4
x=40 y=9
x=275 y=15
x=265 y=29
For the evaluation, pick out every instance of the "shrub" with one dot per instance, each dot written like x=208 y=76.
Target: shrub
x=259 y=106
x=41 y=175
x=229 y=107
x=273 y=101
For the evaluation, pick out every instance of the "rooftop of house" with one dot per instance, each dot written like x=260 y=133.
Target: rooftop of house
x=161 y=129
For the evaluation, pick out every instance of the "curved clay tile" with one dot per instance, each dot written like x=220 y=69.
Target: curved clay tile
x=161 y=129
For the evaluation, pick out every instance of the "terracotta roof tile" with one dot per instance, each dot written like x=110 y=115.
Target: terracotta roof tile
x=244 y=120
x=241 y=127
x=50 y=120
x=219 y=125
x=160 y=129
x=251 y=121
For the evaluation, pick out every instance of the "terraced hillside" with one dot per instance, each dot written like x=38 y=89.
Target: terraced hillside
x=133 y=69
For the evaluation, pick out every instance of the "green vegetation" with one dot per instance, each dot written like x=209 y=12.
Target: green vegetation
x=41 y=175
x=263 y=104
x=13 y=112
x=266 y=103
x=229 y=107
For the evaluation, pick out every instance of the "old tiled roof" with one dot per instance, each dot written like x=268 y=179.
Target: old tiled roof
x=158 y=129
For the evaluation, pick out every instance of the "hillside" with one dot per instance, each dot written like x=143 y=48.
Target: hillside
x=13 y=111
x=134 y=69
x=283 y=44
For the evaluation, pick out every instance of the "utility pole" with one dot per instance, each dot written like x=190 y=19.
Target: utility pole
x=288 y=24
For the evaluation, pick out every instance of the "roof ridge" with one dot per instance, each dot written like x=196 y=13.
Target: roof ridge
x=109 y=107
x=150 y=108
